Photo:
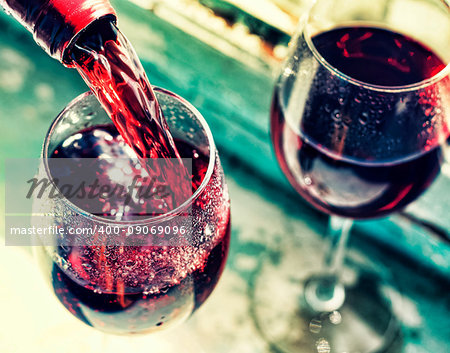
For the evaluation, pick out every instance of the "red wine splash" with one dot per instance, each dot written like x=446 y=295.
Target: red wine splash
x=109 y=65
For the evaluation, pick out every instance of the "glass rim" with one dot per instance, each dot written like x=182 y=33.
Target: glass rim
x=445 y=72
x=150 y=220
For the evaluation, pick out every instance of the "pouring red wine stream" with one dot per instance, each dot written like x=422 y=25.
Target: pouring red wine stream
x=111 y=68
x=83 y=34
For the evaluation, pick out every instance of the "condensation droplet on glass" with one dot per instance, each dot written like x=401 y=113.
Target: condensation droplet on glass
x=429 y=111
x=91 y=115
x=323 y=346
x=378 y=120
x=87 y=266
x=363 y=118
x=336 y=116
x=315 y=326
x=57 y=259
x=335 y=317
x=308 y=181
x=287 y=72
x=208 y=230
x=64 y=248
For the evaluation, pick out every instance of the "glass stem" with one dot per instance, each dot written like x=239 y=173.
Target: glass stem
x=325 y=292
x=338 y=233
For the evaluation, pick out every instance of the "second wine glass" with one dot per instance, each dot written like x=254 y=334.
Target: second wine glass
x=359 y=116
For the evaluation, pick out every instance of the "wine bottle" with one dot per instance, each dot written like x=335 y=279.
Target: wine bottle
x=55 y=24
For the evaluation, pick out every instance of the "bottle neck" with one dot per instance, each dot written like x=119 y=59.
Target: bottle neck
x=55 y=24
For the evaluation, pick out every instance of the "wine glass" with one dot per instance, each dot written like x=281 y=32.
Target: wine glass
x=114 y=263
x=360 y=113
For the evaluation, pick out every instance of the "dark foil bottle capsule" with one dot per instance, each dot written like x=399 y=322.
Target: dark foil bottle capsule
x=55 y=24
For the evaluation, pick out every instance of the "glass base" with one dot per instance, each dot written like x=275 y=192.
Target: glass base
x=364 y=322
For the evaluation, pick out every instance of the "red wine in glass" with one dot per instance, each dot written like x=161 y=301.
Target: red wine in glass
x=132 y=289
x=358 y=153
